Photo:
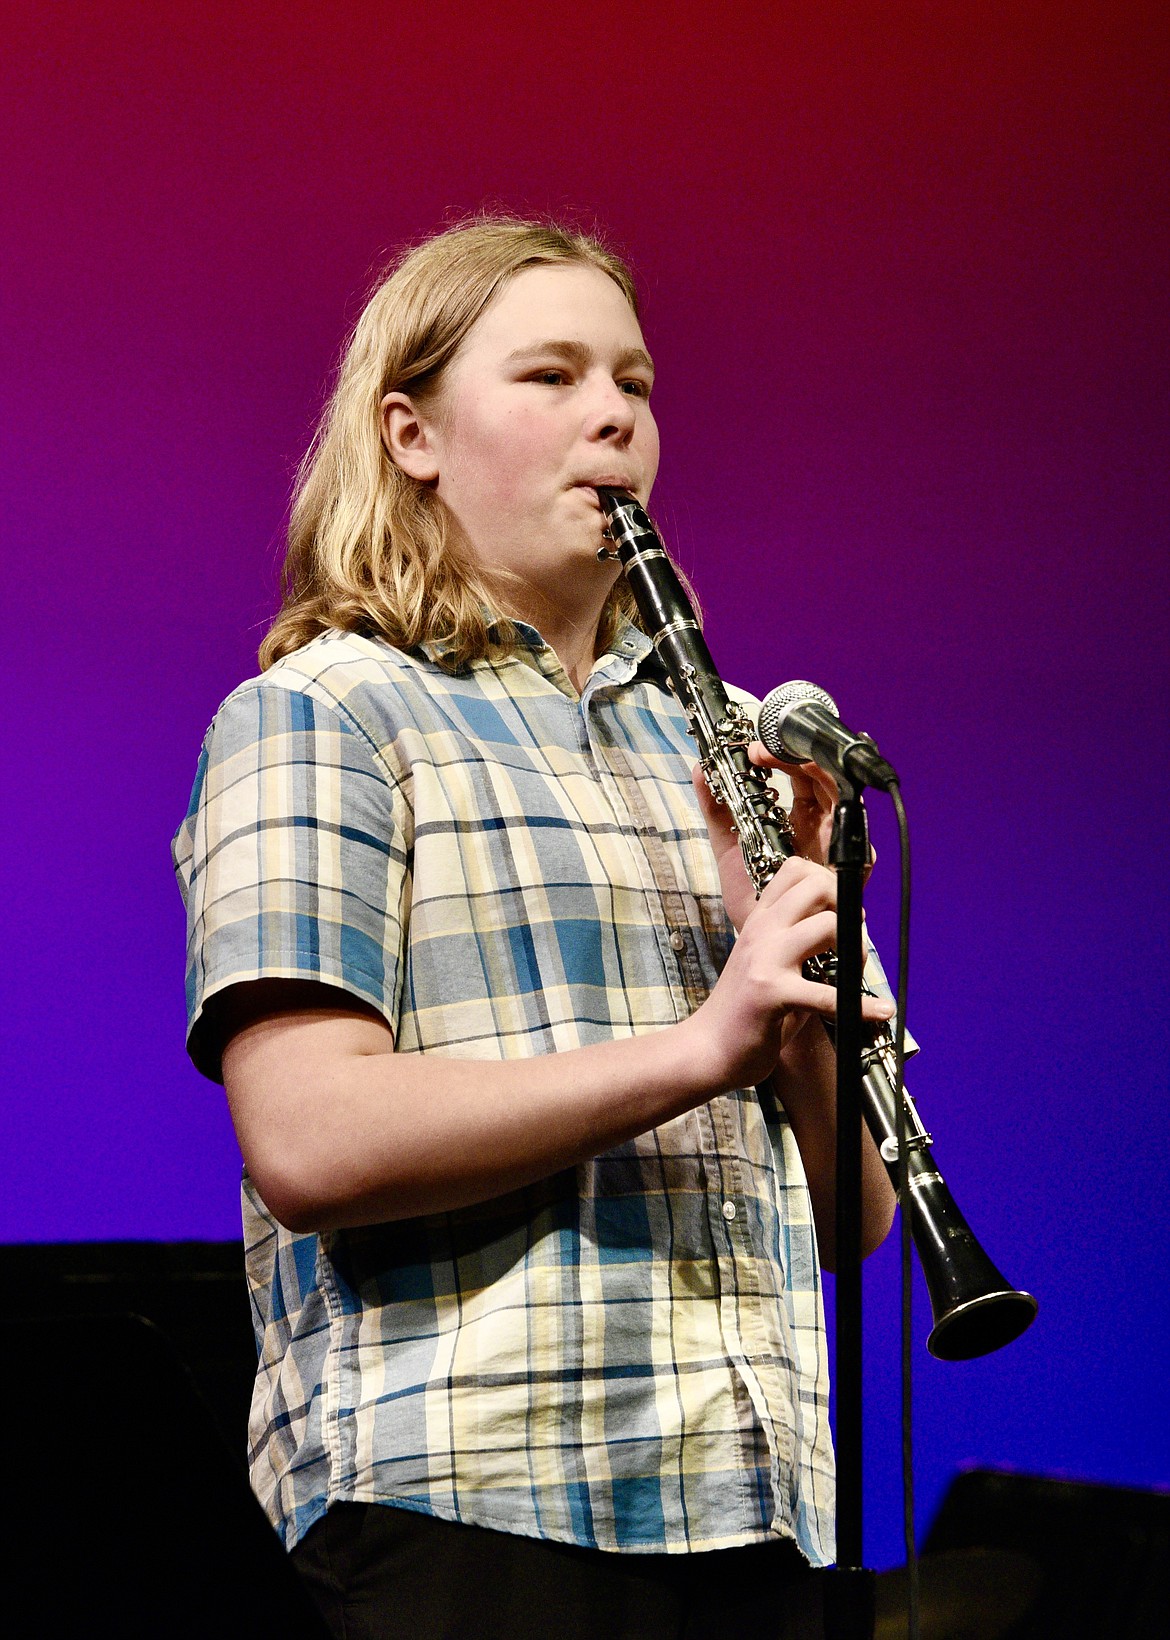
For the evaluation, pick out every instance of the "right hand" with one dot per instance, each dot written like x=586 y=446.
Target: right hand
x=762 y=996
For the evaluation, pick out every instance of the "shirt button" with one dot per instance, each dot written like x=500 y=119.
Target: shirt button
x=677 y=943
x=729 y=1211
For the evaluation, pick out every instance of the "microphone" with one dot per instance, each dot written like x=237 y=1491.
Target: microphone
x=801 y=724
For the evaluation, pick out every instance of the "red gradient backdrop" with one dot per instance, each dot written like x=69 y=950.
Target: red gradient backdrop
x=903 y=268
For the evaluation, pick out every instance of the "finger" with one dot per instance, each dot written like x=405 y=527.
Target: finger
x=791 y=766
x=812 y=828
x=814 y=998
x=877 y=1008
x=808 y=938
x=788 y=933
x=813 y=894
x=814 y=797
x=810 y=781
x=822 y=999
x=801 y=889
x=822 y=784
x=796 y=872
x=764 y=759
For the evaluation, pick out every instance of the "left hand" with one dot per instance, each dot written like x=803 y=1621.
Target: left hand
x=814 y=797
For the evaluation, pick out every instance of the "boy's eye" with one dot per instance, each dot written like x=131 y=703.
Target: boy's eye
x=636 y=389
x=550 y=378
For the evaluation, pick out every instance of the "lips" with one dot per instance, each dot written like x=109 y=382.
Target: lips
x=611 y=481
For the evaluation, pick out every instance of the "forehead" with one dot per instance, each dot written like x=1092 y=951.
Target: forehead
x=563 y=302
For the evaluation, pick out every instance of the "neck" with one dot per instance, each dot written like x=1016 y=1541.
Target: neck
x=568 y=625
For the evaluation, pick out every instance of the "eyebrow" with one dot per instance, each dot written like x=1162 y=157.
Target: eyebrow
x=576 y=353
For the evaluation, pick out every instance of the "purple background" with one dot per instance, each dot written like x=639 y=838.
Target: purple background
x=903 y=269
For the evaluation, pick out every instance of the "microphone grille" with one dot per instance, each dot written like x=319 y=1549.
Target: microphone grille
x=777 y=702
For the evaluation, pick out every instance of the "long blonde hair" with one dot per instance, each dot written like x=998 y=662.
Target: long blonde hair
x=369 y=548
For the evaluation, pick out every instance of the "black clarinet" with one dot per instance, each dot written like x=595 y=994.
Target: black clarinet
x=974 y=1309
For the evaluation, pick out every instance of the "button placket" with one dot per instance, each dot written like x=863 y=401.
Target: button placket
x=660 y=877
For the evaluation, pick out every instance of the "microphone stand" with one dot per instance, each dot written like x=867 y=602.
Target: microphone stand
x=849 y=1588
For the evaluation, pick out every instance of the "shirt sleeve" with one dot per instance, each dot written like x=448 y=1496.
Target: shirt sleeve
x=293 y=858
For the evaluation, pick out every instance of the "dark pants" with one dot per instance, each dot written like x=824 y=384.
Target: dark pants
x=378 y=1572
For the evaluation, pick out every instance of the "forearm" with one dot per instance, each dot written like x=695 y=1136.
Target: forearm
x=805 y=1082
x=342 y=1138
x=339 y=1129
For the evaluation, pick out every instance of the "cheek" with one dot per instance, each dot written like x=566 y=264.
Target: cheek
x=517 y=452
x=649 y=445
x=476 y=466
x=501 y=455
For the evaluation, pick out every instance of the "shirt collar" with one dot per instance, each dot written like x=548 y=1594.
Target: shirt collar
x=629 y=644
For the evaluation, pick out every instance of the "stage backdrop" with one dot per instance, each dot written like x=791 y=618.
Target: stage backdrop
x=902 y=269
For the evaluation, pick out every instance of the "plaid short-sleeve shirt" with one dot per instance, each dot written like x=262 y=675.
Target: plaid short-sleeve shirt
x=630 y=1354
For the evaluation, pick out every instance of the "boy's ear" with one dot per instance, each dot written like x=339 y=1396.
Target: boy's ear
x=407 y=439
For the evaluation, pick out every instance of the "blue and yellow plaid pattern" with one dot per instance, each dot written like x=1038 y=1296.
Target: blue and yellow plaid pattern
x=630 y=1354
